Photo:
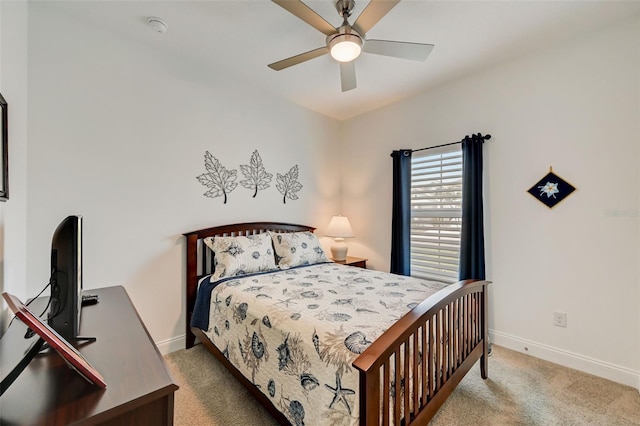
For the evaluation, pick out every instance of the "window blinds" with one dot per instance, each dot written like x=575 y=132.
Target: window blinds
x=436 y=213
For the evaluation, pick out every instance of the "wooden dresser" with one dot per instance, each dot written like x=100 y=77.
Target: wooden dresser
x=139 y=389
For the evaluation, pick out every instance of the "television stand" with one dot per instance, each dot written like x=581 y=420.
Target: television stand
x=139 y=388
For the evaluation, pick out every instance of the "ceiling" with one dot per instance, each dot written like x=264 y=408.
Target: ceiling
x=240 y=37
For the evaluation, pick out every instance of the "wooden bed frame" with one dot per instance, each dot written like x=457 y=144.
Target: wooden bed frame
x=453 y=322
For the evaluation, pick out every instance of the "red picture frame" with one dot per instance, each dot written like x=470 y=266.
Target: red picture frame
x=72 y=357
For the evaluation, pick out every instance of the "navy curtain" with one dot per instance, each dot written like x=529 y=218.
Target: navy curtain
x=472 y=236
x=401 y=213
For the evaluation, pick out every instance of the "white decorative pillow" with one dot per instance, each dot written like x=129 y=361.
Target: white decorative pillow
x=233 y=256
x=297 y=248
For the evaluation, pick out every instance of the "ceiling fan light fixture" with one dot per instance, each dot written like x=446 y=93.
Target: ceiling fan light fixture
x=345 y=47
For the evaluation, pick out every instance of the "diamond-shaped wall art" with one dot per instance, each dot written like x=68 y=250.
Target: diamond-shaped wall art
x=551 y=189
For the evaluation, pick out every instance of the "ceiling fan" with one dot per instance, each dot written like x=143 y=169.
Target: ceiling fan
x=346 y=42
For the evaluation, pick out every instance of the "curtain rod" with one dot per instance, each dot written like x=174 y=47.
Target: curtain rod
x=484 y=138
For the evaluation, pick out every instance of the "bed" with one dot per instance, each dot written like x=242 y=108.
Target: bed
x=445 y=325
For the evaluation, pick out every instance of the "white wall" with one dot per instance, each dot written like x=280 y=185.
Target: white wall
x=574 y=107
x=118 y=133
x=13 y=86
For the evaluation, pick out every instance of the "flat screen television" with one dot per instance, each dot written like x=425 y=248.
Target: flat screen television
x=66 y=278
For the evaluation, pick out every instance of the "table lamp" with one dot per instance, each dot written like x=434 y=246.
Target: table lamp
x=339 y=228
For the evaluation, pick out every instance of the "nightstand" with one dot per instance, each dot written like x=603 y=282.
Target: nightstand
x=353 y=261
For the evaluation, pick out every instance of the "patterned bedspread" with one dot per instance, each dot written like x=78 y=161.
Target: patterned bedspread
x=295 y=333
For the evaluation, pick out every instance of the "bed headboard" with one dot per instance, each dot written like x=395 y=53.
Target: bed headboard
x=200 y=260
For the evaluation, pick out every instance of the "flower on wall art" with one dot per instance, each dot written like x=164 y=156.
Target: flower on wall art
x=551 y=189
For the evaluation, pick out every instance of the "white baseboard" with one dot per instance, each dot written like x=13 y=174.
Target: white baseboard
x=606 y=370
x=171 y=345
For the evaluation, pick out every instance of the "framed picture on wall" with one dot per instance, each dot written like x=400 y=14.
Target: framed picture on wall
x=551 y=189
x=4 y=155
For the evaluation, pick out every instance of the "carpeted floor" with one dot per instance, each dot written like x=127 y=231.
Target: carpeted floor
x=521 y=390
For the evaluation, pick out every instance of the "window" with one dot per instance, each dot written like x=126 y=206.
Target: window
x=436 y=213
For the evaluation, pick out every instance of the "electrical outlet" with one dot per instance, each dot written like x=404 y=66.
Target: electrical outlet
x=560 y=319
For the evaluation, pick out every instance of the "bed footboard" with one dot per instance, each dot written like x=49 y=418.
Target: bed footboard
x=433 y=346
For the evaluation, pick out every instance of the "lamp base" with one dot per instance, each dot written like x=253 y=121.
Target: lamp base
x=339 y=250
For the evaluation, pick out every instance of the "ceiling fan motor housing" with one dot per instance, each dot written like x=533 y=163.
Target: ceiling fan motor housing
x=345 y=32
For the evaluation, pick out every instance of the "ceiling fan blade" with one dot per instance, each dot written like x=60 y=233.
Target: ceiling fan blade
x=348 y=75
x=398 y=49
x=372 y=13
x=298 y=59
x=307 y=14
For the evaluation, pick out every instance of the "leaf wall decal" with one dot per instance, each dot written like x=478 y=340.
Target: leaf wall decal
x=218 y=179
x=288 y=184
x=256 y=176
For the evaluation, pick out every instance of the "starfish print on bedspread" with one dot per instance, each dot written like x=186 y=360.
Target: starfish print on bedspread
x=217 y=304
x=340 y=394
x=287 y=302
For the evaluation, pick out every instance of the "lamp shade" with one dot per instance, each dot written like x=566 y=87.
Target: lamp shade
x=339 y=227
